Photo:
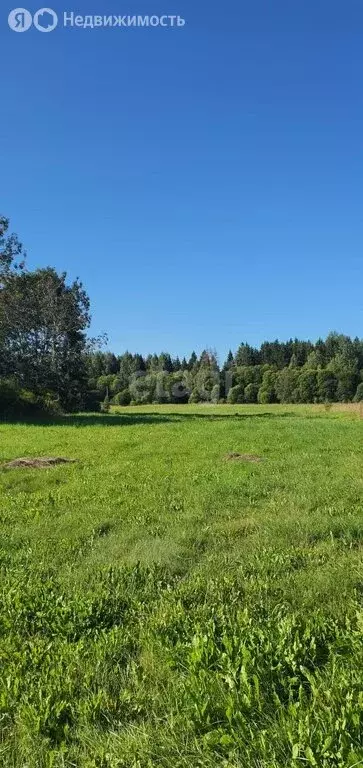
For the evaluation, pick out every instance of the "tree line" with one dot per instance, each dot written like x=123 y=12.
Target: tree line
x=295 y=371
x=48 y=362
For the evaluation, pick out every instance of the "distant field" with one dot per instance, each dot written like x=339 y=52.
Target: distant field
x=167 y=603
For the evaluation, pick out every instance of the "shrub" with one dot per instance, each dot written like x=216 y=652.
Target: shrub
x=122 y=398
x=143 y=389
x=214 y=395
x=18 y=402
x=236 y=395
x=264 y=396
x=250 y=393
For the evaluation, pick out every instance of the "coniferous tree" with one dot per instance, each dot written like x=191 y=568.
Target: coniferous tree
x=192 y=362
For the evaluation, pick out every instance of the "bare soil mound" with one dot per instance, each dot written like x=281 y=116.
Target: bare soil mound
x=39 y=462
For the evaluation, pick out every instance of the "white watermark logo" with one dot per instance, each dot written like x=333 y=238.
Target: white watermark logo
x=20 y=20
x=45 y=20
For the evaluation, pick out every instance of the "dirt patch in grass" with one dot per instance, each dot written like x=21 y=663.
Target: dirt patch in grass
x=39 y=462
x=243 y=457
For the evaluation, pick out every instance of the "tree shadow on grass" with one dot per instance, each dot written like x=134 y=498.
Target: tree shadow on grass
x=130 y=419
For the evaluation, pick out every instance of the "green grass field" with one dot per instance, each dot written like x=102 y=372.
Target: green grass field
x=163 y=606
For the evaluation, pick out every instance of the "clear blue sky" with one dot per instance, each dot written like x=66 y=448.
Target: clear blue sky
x=206 y=183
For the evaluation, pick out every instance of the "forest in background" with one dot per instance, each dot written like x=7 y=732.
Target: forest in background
x=49 y=363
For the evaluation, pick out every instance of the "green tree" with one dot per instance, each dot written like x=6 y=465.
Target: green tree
x=12 y=254
x=267 y=391
x=111 y=364
x=138 y=363
x=246 y=355
x=162 y=387
x=123 y=398
x=326 y=386
x=307 y=386
x=105 y=385
x=192 y=362
x=313 y=360
x=250 y=393
x=287 y=385
x=248 y=374
x=165 y=362
x=345 y=367
x=42 y=330
x=229 y=361
x=236 y=395
x=215 y=394
x=126 y=370
x=142 y=389
x=207 y=375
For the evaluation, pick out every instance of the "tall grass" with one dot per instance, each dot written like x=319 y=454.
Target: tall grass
x=161 y=606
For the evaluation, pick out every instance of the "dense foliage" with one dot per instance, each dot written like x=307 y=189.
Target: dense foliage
x=42 y=334
x=46 y=360
x=278 y=372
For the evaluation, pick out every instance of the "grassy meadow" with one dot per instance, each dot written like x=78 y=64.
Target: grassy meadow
x=163 y=605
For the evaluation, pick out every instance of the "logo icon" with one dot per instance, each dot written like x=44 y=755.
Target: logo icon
x=20 y=20
x=45 y=20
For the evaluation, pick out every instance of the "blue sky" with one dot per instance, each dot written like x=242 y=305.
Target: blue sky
x=205 y=182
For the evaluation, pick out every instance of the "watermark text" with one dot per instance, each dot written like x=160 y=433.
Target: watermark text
x=46 y=20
